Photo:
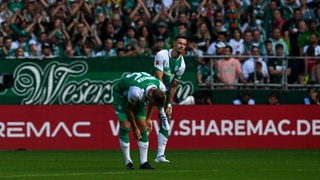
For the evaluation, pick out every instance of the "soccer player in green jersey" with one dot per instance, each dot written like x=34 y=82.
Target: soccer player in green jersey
x=131 y=94
x=169 y=67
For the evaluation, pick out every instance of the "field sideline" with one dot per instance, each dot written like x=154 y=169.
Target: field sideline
x=185 y=164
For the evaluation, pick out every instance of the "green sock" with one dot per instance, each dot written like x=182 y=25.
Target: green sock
x=124 y=134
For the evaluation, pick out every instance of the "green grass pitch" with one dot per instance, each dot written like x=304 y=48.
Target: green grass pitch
x=184 y=165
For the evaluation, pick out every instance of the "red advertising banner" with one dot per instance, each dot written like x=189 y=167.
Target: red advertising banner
x=95 y=127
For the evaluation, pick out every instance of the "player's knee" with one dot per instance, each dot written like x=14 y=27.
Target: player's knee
x=124 y=134
x=144 y=135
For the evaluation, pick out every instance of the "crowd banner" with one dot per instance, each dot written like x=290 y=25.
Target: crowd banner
x=76 y=80
x=95 y=127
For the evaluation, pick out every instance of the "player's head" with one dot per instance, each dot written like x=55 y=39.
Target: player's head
x=158 y=98
x=180 y=43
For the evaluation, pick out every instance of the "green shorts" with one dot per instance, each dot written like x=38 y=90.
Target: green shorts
x=120 y=103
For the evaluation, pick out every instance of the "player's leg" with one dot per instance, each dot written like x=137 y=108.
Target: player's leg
x=119 y=107
x=143 y=144
x=125 y=143
x=163 y=137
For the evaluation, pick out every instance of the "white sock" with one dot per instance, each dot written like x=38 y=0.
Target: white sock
x=162 y=142
x=161 y=112
x=125 y=148
x=143 y=149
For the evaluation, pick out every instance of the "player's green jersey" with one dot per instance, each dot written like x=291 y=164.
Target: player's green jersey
x=172 y=68
x=134 y=87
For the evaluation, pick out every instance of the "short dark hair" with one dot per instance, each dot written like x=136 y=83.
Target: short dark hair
x=180 y=36
x=229 y=47
x=275 y=94
x=279 y=46
x=159 y=96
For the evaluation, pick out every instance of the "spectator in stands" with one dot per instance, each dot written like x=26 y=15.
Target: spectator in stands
x=309 y=52
x=22 y=41
x=248 y=66
x=312 y=97
x=274 y=98
x=287 y=7
x=193 y=50
x=305 y=36
x=229 y=69
x=42 y=38
x=247 y=43
x=306 y=12
x=145 y=32
x=258 y=40
x=181 y=25
x=164 y=15
x=244 y=99
x=302 y=80
x=199 y=97
x=268 y=18
x=258 y=76
x=291 y=32
x=140 y=11
x=69 y=50
x=278 y=67
x=161 y=33
x=130 y=37
x=314 y=43
x=20 y=53
x=236 y=42
x=108 y=49
x=108 y=31
x=182 y=29
x=317 y=14
x=142 y=48
x=47 y=51
x=88 y=49
x=315 y=72
x=218 y=29
x=278 y=21
x=232 y=14
x=276 y=38
x=207 y=73
x=221 y=41
x=33 y=49
x=203 y=36
x=7 y=48
x=269 y=50
x=120 y=27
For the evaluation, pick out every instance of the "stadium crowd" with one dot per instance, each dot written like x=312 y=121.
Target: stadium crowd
x=104 y=28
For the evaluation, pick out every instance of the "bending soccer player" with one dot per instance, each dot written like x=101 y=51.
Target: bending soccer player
x=169 y=67
x=131 y=94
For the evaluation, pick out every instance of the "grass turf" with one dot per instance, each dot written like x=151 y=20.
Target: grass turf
x=184 y=165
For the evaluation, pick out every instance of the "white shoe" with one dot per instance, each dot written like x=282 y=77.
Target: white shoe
x=165 y=123
x=161 y=159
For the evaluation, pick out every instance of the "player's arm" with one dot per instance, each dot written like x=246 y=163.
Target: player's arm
x=159 y=75
x=134 y=96
x=173 y=89
x=130 y=115
x=172 y=92
x=148 y=118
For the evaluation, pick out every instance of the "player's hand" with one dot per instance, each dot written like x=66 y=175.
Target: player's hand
x=149 y=124
x=169 y=111
x=137 y=134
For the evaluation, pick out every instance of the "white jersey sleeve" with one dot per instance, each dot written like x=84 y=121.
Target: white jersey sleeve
x=162 y=87
x=135 y=94
x=181 y=69
x=160 y=59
